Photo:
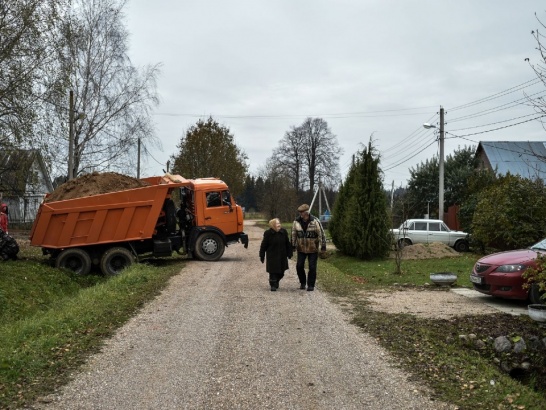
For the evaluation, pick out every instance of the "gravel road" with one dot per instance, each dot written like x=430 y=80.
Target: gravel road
x=218 y=338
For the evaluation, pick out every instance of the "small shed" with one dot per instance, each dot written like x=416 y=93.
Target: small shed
x=24 y=180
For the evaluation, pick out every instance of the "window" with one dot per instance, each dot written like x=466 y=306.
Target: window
x=226 y=198
x=434 y=226
x=213 y=199
x=420 y=226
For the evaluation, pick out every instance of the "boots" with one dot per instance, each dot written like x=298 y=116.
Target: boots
x=274 y=285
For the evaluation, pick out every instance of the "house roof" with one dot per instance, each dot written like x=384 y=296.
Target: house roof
x=16 y=169
x=524 y=158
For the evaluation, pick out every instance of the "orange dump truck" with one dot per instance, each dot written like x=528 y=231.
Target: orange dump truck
x=113 y=230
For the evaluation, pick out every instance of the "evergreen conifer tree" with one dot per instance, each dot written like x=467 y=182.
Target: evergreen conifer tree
x=360 y=222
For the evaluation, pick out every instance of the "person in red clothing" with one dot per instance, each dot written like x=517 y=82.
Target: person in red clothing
x=4 y=217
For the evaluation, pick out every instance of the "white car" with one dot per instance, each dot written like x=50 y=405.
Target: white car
x=428 y=231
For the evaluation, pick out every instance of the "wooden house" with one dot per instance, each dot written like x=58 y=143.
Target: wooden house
x=24 y=180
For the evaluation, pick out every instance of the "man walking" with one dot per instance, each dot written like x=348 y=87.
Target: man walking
x=307 y=238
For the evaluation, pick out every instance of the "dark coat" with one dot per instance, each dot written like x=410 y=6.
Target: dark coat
x=277 y=248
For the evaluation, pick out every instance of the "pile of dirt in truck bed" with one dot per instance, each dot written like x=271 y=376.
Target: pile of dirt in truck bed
x=94 y=184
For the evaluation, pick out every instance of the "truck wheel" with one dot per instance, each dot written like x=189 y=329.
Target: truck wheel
x=209 y=247
x=114 y=260
x=74 y=259
x=461 y=246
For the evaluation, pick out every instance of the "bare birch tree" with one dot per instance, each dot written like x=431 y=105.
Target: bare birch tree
x=112 y=98
x=308 y=153
x=289 y=156
x=26 y=27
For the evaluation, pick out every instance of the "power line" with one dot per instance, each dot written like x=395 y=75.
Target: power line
x=499 y=94
x=496 y=129
x=410 y=156
x=367 y=114
x=502 y=107
x=150 y=154
x=494 y=123
x=408 y=141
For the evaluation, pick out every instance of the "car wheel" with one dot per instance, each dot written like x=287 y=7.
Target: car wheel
x=403 y=242
x=209 y=247
x=114 y=260
x=535 y=294
x=74 y=259
x=461 y=246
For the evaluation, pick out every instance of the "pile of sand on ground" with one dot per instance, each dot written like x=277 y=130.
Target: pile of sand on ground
x=427 y=251
x=427 y=303
x=94 y=184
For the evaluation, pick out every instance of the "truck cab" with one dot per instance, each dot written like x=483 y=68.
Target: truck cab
x=210 y=218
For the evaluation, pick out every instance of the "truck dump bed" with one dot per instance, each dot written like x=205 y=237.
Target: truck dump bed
x=119 y=216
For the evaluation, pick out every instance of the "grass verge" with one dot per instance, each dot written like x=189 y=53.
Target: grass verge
x=52 y=320
x=431 y=350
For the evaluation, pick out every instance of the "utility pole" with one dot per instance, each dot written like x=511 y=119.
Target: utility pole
x=392 y=195
x=71 y=136
x=440 y=164
x=138 y=160
x=441 y=168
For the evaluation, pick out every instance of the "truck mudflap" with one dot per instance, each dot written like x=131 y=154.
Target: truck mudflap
x=237 y=237
x=244 y=239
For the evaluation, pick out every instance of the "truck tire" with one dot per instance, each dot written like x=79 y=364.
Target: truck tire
x=209 y=247
x=114 y=260
x=74 y=259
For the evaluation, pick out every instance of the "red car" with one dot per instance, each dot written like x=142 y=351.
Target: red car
x=499 y=274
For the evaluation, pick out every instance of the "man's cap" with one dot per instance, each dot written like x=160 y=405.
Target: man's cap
x=303 y=208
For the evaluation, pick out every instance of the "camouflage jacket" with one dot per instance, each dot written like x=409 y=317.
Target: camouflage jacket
x=311 y=240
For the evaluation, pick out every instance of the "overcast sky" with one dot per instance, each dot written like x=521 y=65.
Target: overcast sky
x=367 y=67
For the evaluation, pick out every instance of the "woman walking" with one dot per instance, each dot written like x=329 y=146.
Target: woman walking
x=277 y=248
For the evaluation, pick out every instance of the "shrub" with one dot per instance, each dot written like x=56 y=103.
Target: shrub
x=536 y=275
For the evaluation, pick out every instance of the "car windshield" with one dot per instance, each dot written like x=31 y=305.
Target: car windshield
x=540 y=245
